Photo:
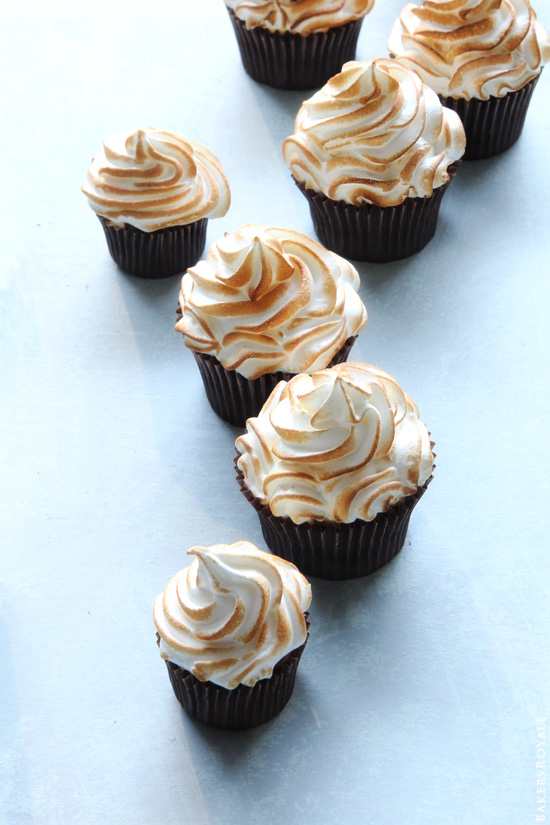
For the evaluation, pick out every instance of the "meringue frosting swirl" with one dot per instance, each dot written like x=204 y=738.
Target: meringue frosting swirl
x=232 y=614
x=374 y=134
x=153 y=179
x=471 y=48
x=298 y=16
x=342 y=444
x=268 y=299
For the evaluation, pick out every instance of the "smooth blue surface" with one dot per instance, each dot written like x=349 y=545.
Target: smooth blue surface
x=418 y=693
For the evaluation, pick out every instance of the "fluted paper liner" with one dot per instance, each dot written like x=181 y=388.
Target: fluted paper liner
x=157 y=254
x=492 y=125
x=295 y=61
x=375 y=233
x=236 y=398
x=242 y=707
x=333 y=550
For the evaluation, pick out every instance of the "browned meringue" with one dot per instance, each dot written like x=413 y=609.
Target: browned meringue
x=298 y=16
x=471 y=48
x=152 y=179
x=374 y=134
x=342 y=444
x=269 y=299
x=232 y=614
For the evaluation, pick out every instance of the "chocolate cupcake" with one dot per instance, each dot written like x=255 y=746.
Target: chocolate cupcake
x=374 y=152
x=153 y=192
x=334 y=465
x=482 y=58
x=231 y=629
x=267 y=303
x=296 y=44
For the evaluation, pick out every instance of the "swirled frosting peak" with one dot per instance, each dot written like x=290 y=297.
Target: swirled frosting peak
x=374 y=134
x=342 y=444
x=232 y=614
x=299 y=16
x=151 y=179
x=269 y=299
x=471 y=48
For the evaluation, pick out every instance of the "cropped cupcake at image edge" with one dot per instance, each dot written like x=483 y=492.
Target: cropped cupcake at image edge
x=231 y=628
x=334 y=465
x=266 y=303
x=482 y=57
x=296 y=44
x=373 y=153
x=153 y=192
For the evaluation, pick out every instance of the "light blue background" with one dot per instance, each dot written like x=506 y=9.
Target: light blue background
x=418 y=694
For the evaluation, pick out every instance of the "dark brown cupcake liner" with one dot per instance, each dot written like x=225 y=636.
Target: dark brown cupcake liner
x=330 y=550
x=236 y=398
x=242 y=707
x=492 y=125
x=156 y=254
x=376 y=233
x=294 y=61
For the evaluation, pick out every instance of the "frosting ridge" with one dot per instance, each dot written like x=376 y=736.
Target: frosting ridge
x=268 y=299
x=299 y=16
x=342 y=444
x=471 y=48
x=152 y=179
x=232 y=614
x=374 y=134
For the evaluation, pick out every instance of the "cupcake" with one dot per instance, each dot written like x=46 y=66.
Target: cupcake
x=334 y=465
x=482 y=57
x=231 y=628
x=265 y=304
x=153 y=192
x=374 y=152
x=296 y=44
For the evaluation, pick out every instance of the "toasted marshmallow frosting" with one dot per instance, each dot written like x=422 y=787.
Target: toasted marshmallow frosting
x=471 y=48
x=269 y=299
x=151 y=179
x=299 y=16
x=374 y=134
x=342 y=444
x=232 y=614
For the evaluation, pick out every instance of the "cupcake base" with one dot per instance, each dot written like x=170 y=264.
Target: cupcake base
x=294 y=61
x=242 y=707
x=158 y=254
x=236 y=398
x=330 y=550
x=376 y=233
x=492 y=126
